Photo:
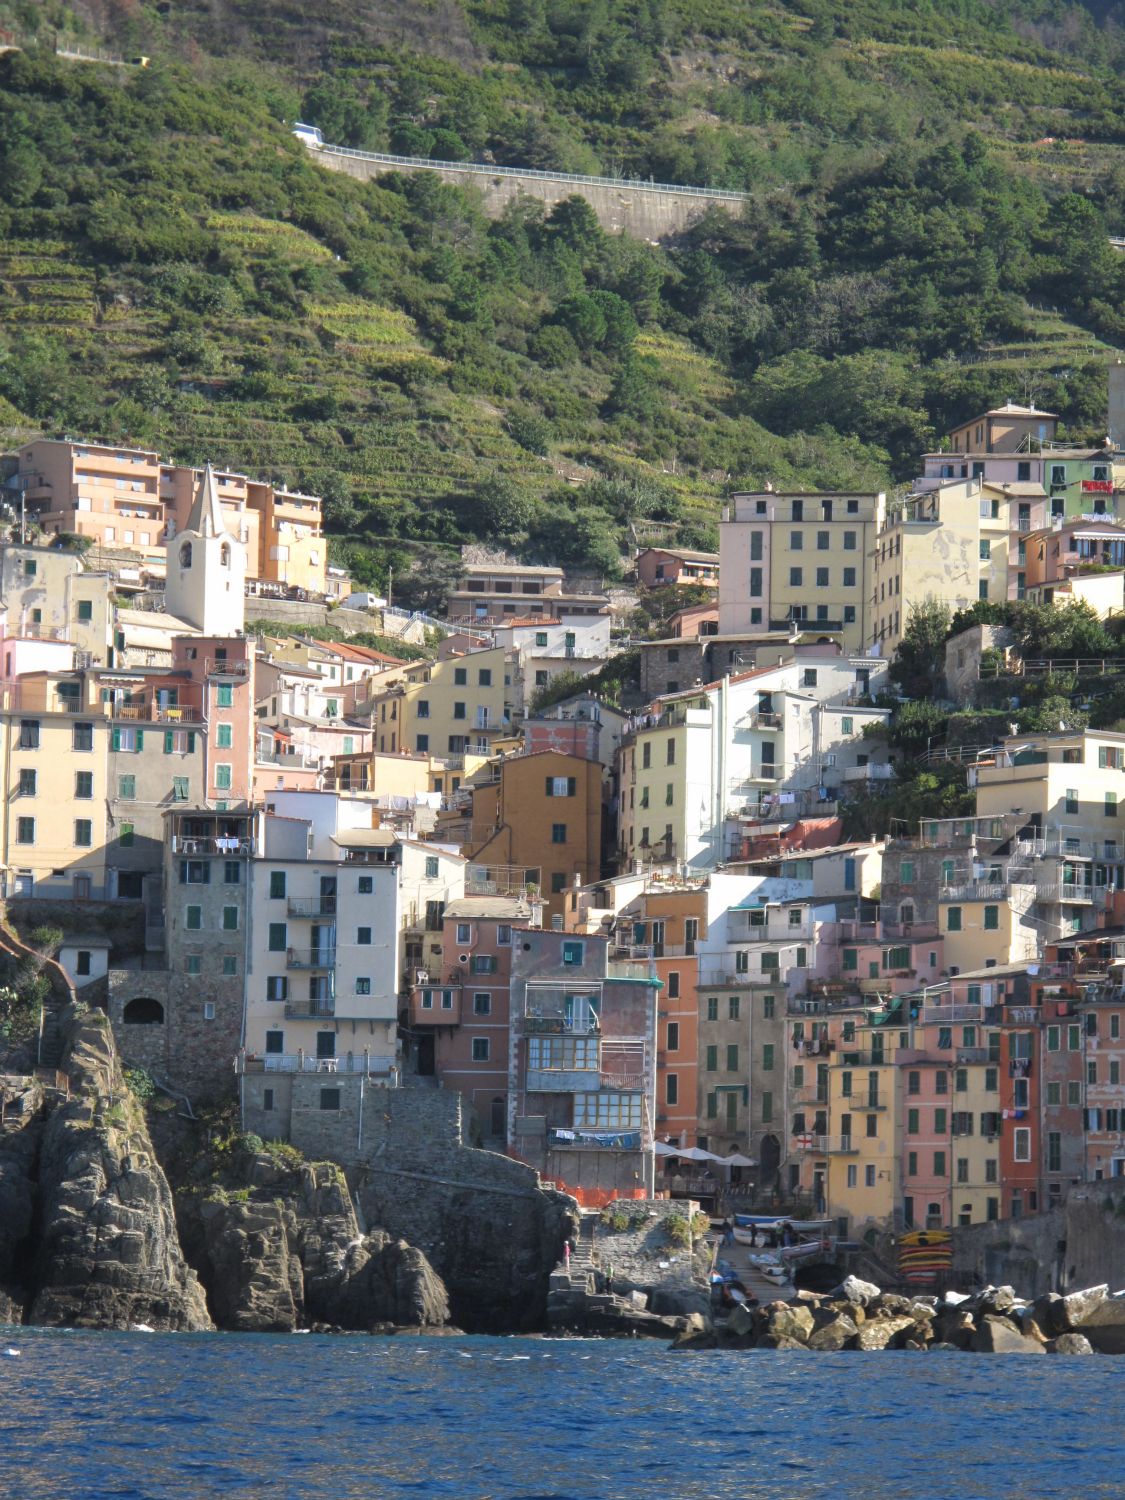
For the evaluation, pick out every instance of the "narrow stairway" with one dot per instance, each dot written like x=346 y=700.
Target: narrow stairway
x=50 y=1038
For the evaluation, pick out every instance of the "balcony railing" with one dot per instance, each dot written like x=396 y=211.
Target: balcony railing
x=308 y=1010
x=310 y=958
x=973 y=890
x=146 y=713
x=369 y=1064
x=185 y=844
x=312 y=906
x=217 y=668
x=713 y=978
x=621 y=1083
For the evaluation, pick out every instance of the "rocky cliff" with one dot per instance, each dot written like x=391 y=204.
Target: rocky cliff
x=87 y=1228
x=283 y=1249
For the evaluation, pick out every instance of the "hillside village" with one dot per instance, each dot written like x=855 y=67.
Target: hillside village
x=640 y=883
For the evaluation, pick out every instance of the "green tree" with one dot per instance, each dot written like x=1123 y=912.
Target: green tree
x=919 y=663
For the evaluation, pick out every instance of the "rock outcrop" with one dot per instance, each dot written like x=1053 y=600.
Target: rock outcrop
x=858 y=1316
x=107 y=1252
x=286 y=1251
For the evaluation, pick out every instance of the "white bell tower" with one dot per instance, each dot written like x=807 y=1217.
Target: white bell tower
x=206 y=582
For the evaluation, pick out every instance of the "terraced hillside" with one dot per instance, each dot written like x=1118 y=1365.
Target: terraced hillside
x=175 y=269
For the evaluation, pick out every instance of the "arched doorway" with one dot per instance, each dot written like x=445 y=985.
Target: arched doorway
x=143 y=1011
x=769 y=1159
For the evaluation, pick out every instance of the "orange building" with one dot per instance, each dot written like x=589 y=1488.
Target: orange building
x=542 y=810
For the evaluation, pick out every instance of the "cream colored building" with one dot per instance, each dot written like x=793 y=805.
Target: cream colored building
x=936 y=546
x=805 y=559
x=442 y=708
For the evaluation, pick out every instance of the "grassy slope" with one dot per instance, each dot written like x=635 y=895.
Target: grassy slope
x=734 y=99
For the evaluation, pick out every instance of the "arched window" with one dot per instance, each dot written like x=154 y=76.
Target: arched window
x=185 y=555
x=143 y=1012
x=224 y=554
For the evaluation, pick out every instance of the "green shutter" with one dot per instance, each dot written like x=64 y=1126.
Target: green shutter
x=191 y=742
x=140 y=739
x=117 y=739
x=167 y=742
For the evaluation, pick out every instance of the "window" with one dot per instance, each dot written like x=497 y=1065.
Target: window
x=558 y=882
x=796 y=541
x=712 y=1059
x=573 y=953
x=230 y=918
x=83 y=785
x=363 y=936
x=822 y=578
x=732 y=1057
x=330 y=1099
x=224 y=736
x=27 y=783
x=1111 y=804
x=1071 y=798
x=991 y=918
x=230 y=966
x=125 y=836
x=670 y=752
x=853 y=1176
x=912 y=1119
x=796 y=578
x=906 y=872
x=193 y=918
x=1021 y=1139
x=482 y=1003
x=223 y=781
x=808 y=677
x=278 y=934
x=29 y=734
x=869 y=1176
x=363 y=985
x=482 y=963
x=558 y=833
x=460 y=676
x=232 y=872
x=673 y=991
x=671 y=1089
x=83 y=833
x=733 y=1008
x=481 y=1048
x=713 y=1008
x=277 y=885
x=179 y=788
x=193 y=964
x=224 y=695
x=953 y=919
x=83 y=737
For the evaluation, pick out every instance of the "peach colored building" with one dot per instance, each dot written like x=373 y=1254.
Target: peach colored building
x=459 y=1018
x=130 y=498
x=658 y=566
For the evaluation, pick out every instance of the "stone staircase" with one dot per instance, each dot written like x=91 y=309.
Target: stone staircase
x=50 y=1038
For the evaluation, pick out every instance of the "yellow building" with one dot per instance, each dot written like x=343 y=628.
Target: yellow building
x=937 y=546
x=799 y=557
x=442 y=708
x=861 y=1148
x=291 y=547
x=54 y=820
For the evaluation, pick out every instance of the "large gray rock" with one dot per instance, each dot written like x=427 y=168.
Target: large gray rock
x=255 y=1276
x=1077 y=1306
x=837 y=1334
x=996 y=1335
x=1070 y=1343
x=852 y=1289
x=1049 y=1313
x=783 y=1321
x=1104 y=1325
x=877 y=1333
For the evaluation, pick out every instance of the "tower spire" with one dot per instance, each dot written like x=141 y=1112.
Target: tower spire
x=206 y=514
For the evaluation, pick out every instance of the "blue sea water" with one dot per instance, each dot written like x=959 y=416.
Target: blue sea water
x=86 y=1416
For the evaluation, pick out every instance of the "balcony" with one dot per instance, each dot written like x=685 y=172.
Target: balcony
x=309 y=1010
x=584 y=1025
x=562 y=1081
x=974 y=890
x=227 y=846
x=715 y=978
x=873 y=771
x=941 y=1015
x=312 y=906
x=966 y=1055
x=310 y=958
x=1072 y=893
x=367 y=1063
x=239 y=670
x=145 y=713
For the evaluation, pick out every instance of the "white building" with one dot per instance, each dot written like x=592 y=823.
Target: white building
x=206 y=583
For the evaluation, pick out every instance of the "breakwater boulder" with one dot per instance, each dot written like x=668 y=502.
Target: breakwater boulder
x=857 y=1315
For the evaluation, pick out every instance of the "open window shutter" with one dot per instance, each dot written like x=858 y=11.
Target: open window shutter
x=167 y=742
x=117 y=739
x=191 y=742
x=140 y=739
x=572 y=786
x=550 y=785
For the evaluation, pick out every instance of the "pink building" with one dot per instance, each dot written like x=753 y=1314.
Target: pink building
x=459 y=1017
x=657 y=566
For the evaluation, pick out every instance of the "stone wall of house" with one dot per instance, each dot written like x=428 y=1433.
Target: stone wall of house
x=1078 y=1243
x=190 y=1049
